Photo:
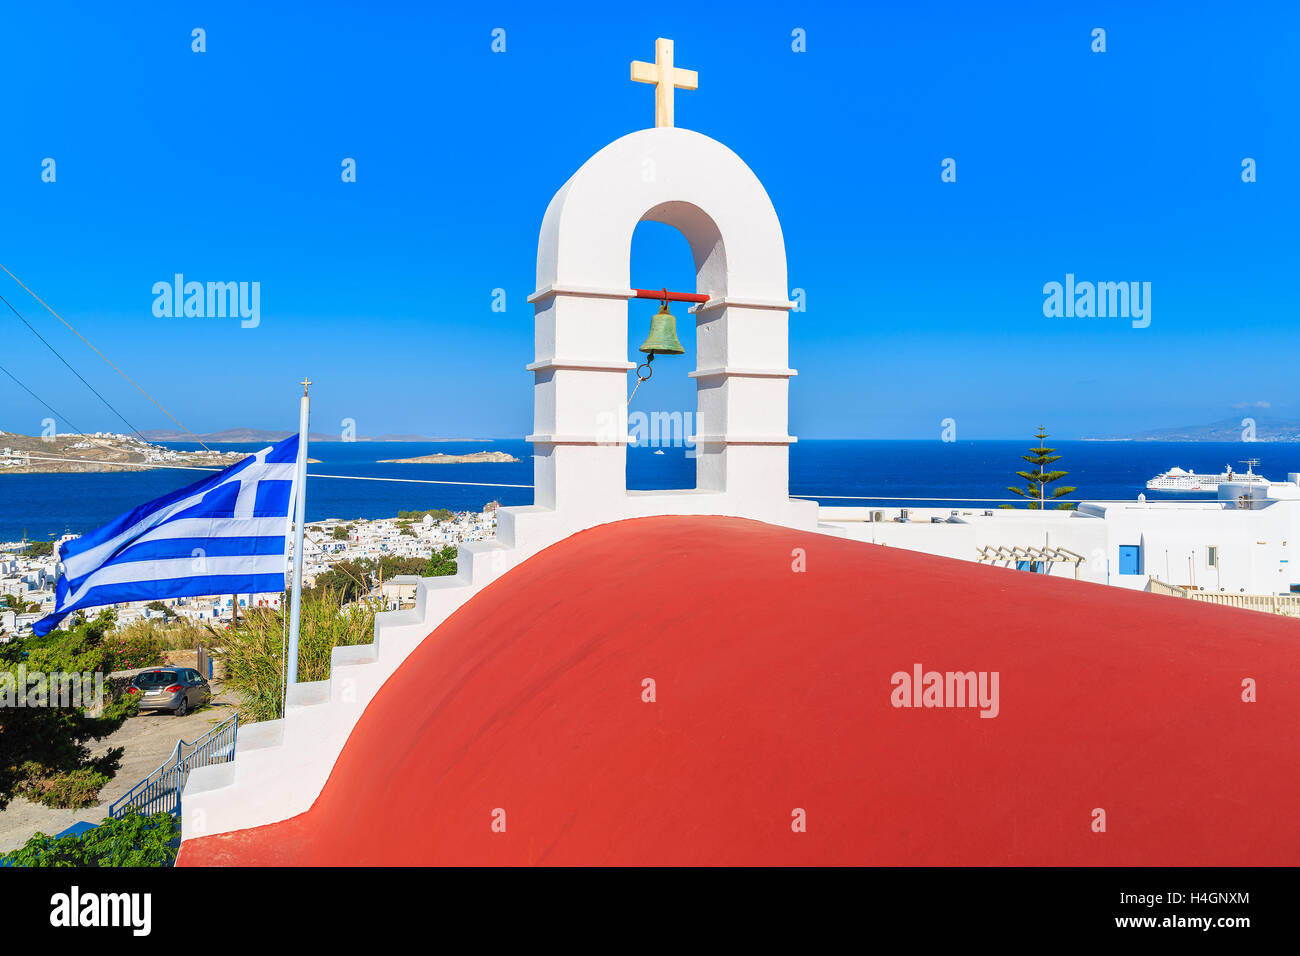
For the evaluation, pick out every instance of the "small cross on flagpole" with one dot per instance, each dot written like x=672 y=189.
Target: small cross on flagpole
x=666 y=78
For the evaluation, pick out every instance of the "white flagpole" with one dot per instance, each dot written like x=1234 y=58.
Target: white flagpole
x=299 y=512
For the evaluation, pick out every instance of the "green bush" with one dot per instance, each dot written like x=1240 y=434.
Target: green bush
x=442 y=564
x=439 y=514
x=131 y=841
x=80 y=648
x=254 y=657
x=133 y=649
x=167 y=612
x=18 y=605
x=98 y=646
x=352 y=580
x=71 y=788
x=44 y=750
x=173 y=634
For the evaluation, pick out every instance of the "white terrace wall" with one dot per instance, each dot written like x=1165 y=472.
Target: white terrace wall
x=963 y=535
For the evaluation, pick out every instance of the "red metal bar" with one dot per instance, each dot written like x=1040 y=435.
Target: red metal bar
x=662 y=294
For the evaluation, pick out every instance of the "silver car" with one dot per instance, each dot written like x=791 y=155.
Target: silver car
x=177 y=689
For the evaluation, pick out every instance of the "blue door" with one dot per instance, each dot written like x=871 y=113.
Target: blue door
x=1130 y=560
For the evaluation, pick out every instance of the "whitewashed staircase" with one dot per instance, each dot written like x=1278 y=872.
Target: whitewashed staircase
x=280 y=766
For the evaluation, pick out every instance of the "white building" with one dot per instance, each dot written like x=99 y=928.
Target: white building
x=399 y=592
x=1243 y=543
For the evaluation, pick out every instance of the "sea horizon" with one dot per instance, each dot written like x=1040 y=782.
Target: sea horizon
x=887 y=472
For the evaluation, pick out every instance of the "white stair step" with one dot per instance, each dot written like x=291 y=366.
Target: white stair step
x=354 y=654
x=308 y=694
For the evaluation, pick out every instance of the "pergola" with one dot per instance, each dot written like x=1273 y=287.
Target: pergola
x=1046 y=555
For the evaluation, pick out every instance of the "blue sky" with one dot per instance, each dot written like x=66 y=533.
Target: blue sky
x=924 y=298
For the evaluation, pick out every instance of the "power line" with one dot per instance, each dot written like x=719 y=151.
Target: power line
x=497 y=484
x=42 y=401
x=424 y=481
x=70 y=368
x=102 y=355
x=76 y=429
x=139 y=464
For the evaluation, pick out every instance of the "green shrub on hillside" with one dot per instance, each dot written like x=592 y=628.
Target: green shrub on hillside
x=133 y=840
x=439 y=514
x=71 y=789
x=353 y=580
x=254 y=650
x=18 y=605
x=44 y=750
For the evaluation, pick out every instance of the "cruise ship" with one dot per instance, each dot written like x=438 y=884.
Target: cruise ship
x=1176 y=479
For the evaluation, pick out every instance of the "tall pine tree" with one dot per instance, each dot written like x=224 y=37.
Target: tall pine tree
x=1037 y=491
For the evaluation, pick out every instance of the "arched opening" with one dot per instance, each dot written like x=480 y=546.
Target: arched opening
x=738 y=361
x=661 y=414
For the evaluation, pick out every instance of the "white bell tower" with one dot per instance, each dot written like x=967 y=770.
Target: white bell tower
x=704 y=190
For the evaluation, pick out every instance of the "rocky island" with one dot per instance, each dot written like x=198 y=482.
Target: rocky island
x=441 y=459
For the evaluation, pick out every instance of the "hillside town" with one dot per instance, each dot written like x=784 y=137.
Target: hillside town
x=27 y=580
x=97 y=452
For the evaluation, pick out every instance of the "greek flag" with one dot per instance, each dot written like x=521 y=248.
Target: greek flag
x=225 y=534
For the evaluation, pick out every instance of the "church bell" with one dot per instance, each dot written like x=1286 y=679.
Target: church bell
x=662 y=339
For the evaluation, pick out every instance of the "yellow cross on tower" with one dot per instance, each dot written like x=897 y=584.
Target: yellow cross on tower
x=665 y=77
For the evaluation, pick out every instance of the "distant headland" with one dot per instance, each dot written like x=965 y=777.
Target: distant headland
x=97 y=452
x=1246 y=428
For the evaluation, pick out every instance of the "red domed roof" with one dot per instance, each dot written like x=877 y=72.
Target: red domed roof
x=773 y=695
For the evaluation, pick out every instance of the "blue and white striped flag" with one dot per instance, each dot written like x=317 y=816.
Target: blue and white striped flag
x=225 y=534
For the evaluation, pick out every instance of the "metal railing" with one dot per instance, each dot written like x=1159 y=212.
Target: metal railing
x=160 y=792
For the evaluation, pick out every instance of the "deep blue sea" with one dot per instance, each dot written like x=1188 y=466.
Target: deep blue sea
x=42 y=505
